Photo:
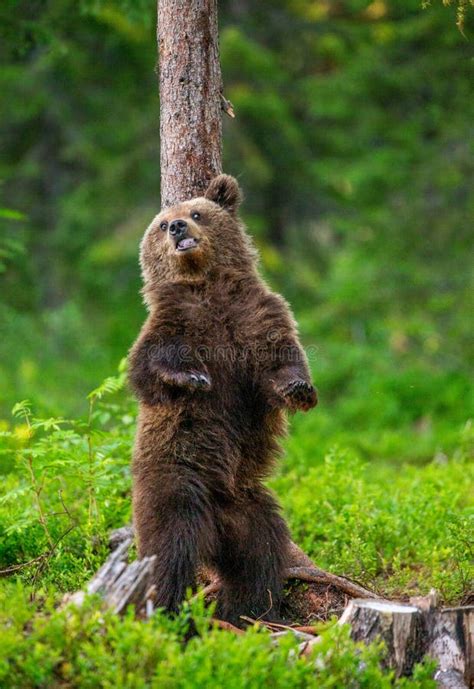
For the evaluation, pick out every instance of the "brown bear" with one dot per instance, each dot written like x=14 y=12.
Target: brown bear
x=215 y=366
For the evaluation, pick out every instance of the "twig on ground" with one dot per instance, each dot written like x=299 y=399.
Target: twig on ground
x=222 y=624
x=270 y=606
x=15 y=568
x=36 y=560
x=48 y=556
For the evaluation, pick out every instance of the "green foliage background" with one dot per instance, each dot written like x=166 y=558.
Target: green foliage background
x=353 y=144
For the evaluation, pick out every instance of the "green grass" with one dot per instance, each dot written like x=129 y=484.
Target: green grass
x=399 y=528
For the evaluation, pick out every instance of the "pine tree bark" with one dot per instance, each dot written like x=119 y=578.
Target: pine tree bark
x=190 y=97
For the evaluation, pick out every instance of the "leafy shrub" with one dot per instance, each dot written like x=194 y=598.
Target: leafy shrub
x=92 y=649
x=66 y=484
x=399 y=529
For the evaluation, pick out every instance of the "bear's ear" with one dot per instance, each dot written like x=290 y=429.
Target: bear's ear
x=225 y=191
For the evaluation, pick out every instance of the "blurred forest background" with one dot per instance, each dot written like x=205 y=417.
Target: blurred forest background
x=353 y=143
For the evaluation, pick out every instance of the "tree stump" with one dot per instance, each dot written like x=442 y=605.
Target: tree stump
x=451 y=642
x=413 y=631
x=400 y=626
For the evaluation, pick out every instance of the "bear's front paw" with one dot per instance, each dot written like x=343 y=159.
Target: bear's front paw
x=191 y=380
x=298 y=394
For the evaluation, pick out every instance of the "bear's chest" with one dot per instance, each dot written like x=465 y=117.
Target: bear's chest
x=215 y=321
x=217 y=333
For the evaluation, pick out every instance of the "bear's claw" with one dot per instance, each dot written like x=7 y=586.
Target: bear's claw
x=299 y=394
x=199 y=380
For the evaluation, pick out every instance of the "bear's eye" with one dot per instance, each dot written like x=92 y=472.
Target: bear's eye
x=163 y=226
x=195 y=215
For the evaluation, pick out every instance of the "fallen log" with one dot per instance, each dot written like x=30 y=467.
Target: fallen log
x=119 y=583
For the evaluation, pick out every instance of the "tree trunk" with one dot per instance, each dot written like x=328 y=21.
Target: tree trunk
x=190 y=97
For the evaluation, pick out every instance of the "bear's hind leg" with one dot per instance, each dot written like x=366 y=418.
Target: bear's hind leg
x=253 y=556
x=174 y=521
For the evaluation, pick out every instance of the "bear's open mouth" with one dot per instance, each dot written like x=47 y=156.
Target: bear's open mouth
x=186 y=244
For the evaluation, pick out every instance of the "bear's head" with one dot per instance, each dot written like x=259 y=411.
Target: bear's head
x=196 y=238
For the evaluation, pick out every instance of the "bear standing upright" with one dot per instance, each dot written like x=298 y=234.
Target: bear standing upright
x=216 y=365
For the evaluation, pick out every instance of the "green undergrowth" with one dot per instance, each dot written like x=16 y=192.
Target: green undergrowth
x=91 y=649
x=399 y=529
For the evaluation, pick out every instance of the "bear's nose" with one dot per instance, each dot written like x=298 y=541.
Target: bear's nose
x=178 y=228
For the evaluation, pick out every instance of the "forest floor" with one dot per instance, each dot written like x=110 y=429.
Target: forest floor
x=398 y=527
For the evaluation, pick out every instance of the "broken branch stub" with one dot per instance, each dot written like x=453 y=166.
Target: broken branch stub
x=119 y=583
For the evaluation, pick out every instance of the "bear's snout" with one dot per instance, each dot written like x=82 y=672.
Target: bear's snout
x=178 y=228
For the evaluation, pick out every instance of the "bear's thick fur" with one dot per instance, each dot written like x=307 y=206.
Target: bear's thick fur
x=215 y=366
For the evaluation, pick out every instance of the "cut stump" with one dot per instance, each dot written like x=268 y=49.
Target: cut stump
x=416 y=630
x=400 y=626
